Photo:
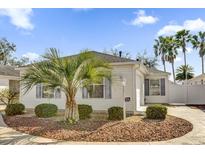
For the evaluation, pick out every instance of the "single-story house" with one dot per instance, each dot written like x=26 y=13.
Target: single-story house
x=9 y=77
x=197 y=80
x=141 y=84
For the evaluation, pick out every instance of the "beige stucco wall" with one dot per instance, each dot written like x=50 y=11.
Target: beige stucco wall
x=4 y=81
x=127 y=71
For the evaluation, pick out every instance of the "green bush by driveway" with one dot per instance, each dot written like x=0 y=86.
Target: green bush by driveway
x=156 y=111
x=46 y=110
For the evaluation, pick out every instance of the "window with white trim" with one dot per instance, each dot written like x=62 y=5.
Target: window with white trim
x=154 y=87
x=101 y=90
x=43 y=91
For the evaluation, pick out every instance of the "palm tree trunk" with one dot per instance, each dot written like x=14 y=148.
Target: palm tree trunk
x=71 y=110
x=173 y=72
x=184 y=57
x=163 y=62
x=164 y=66
x=202 y=63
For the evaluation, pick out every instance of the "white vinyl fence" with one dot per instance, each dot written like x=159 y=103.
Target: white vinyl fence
x=183 y=94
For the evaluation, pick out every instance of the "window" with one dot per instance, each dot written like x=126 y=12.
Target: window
x=154 y=87
x=96 y=91
x=47 y=92
x=43 y=91
x=102 y=90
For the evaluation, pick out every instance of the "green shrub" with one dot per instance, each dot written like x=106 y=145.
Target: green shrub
x=14 y=109
x=115 y=113
x=84 y=111
x=156 y=111
x=46 y=110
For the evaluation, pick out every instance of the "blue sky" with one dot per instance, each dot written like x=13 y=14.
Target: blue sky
x=71 y=30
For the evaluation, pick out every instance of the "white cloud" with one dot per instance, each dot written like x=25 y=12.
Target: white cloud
x=117 y=46
x=19 y=17
x=169 y=30
x=192 y=25
x=178 y=59
x=143 y=19
x=195 y=25
x=189 y=50
x=31 y=55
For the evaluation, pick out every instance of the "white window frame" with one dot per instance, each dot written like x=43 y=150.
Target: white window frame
x=41 y=94
x=103 y=84
x=104 y=97
x=159 y=87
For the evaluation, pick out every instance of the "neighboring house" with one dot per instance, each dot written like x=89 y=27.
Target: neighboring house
x=9 y=78
x=143 y=85
x=198 y=80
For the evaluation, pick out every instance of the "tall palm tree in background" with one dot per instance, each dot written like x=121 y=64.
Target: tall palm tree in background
x=198 y=42
x=67 y=73
x=160 y=49
x=181 y=72
x=170 y=56
x=183 y=37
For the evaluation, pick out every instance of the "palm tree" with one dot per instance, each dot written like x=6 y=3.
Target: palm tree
x=198 y=42
x=160 y=50
x=171 y=54
x=69 y=74
x=182 y=38
x=181 y=72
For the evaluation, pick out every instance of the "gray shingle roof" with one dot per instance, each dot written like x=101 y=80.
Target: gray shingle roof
x=104 y=56
x=9 y=71
x=156 y=71
x=108 y=57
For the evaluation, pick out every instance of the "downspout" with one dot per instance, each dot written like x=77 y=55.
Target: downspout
x=134 y=85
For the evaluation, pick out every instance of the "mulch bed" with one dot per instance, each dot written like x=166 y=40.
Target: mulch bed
x=134 y=129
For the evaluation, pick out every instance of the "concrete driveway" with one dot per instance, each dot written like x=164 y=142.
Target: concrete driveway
x=196 y=136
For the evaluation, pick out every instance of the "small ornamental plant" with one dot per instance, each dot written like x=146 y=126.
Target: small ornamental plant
x=156 y=111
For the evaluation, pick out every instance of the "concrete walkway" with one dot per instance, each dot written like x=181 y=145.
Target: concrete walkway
x=10 y=136
x=196 y=117
x=196 y=136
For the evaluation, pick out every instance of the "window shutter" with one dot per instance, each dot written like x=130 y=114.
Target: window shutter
x=108 y=90
x=38 y=91
x=163 y=87
x=84 y=92
x=146 y=83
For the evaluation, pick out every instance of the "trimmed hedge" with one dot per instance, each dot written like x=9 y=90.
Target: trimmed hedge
x=46 y=110
x=156 y=111
x=115 y=113
x=14 y=109
x=84 y=111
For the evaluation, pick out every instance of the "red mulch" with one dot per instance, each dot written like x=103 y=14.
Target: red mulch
x=143 y=130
